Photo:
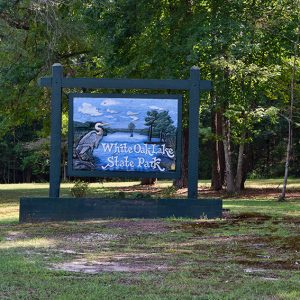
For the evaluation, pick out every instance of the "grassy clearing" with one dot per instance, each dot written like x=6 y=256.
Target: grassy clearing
x=272 y=183
x=252 y=253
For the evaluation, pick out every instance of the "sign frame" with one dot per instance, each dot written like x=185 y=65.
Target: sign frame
x=126 y=174
x=57 y=82
x=56 y=208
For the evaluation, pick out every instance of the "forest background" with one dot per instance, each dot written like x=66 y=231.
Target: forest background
x=248 y=48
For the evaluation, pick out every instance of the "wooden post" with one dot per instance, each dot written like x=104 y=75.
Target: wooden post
x=55 y=145
x=194 y=105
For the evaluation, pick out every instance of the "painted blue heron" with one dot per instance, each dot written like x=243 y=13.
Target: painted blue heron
x=90 y=141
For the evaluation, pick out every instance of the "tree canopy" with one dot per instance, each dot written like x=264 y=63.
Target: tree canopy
x=247 y=48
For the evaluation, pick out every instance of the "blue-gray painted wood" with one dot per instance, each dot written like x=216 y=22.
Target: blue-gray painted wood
x=63 y=209
x=56 y=115
x=45 y=82
x=55 y=208
x=193 y=156
x=154 y=84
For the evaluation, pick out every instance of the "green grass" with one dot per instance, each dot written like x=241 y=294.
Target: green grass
x=264 y=206
x=251 y=254
x=272 y=183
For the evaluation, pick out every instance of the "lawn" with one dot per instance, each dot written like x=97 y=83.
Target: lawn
x=252 y=253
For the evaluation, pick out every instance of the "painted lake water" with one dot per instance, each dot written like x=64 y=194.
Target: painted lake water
x=120 y=152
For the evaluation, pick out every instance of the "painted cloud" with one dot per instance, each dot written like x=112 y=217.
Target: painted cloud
x=131 y=113
x=155 y=107
x=89 y=109
x=111 y=111
x=133 y=118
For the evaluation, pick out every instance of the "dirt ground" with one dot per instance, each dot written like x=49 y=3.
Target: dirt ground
x=148 y=245
x=249 y=193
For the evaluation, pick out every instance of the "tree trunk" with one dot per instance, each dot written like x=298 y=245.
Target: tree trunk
x=148 y=181
x=218 y=162
x=239 y=169
x=183 y=181
x=28 y=175
x=290 y=120
x=230 y=188
x=8 y=173
x=150 y=133
x=287 y=161
x=247 y=164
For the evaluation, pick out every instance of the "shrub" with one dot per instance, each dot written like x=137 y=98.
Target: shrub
x=169 y=192
x=80 y=189
x=139 y=195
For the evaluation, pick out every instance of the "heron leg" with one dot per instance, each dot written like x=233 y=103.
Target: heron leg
x=81 y=152
x=77 y=154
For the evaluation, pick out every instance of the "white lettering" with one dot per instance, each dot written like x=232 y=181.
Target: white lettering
x=155 y=163
x=107 y=147
x=110 y=163
x=141 y=161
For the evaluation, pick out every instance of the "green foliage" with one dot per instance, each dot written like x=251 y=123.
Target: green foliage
x=80 y=189
x=37 y=162
x=244 y=47
x=160 y=124
x=244 y=121
x=168 y=192
x=34 y=34
x=163 y=124
x=151 y=117
x=140 y=195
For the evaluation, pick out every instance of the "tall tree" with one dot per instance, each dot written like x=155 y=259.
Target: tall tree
x=150 y=120
x=131 y=127
x=290 y=118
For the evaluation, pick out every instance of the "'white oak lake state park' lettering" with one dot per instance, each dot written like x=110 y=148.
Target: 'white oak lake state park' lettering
x=154 y=163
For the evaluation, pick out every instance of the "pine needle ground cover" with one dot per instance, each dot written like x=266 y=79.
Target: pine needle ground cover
x=252 y=253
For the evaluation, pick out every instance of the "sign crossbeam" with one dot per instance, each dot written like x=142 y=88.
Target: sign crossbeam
x=57 y=82
x=156 y=84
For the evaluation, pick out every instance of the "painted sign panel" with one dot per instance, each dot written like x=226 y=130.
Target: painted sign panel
x=118 y=135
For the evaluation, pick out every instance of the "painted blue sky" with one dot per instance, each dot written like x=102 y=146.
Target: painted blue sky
x=119 y=112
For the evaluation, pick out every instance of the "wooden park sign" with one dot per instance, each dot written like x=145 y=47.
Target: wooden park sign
x=126 y=136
